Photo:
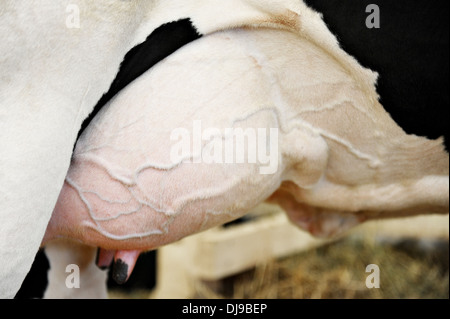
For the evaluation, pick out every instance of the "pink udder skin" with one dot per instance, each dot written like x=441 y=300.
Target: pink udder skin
x=160 y=208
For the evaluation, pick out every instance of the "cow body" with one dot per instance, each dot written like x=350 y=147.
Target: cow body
x=341 y=159
x=123 y=193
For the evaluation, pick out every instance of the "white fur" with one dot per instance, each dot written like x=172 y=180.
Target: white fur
x=51 y=77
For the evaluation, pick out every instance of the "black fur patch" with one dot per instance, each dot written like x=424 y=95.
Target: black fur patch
x=410 y=51
x=163 y=41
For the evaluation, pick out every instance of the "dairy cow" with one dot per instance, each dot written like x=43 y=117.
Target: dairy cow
x=341 y=159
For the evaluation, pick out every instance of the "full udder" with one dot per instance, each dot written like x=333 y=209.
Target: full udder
x=157 y=208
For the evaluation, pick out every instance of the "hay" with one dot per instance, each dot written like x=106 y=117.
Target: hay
x=337 y=270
